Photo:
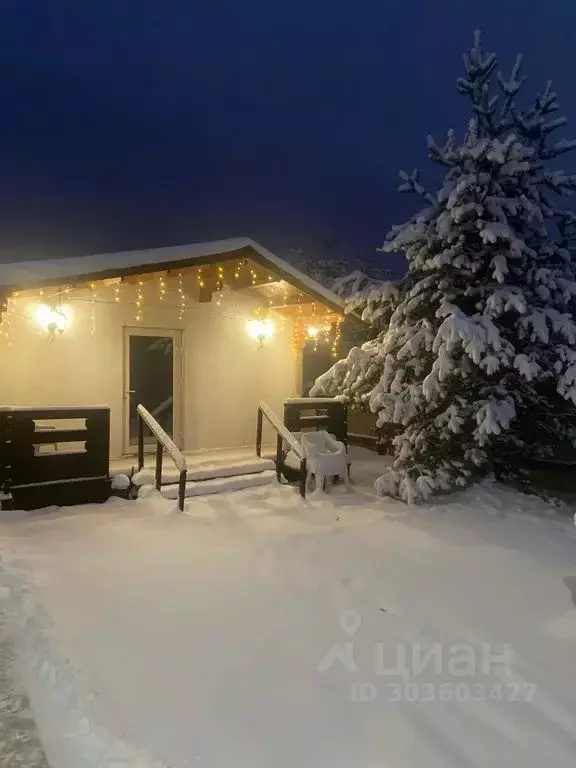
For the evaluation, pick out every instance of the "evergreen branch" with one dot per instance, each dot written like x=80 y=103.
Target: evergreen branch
x=411 y=184
x=560 y=148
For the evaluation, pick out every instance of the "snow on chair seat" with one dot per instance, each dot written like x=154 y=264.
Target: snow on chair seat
x=326 y=458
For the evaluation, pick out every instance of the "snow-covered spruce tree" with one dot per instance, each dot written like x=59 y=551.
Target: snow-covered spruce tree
x=353 y=378
x=478 y=363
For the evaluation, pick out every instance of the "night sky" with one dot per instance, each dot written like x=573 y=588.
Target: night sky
x=139 y=123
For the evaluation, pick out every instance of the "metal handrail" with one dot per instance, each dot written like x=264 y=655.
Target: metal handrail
x=163 y=443
x=282 y=434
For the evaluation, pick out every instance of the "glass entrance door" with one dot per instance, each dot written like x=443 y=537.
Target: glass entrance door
x=153 y=379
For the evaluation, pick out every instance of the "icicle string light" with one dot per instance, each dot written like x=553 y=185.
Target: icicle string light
x=182 y=307
x=313 y=325
x=219 y=283
x=298 y=334
x=337 y=336
x=139 y=301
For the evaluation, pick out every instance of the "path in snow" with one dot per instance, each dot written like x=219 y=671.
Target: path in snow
x=241 y=633
x=19 y=743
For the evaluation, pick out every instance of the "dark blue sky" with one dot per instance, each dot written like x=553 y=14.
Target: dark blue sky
x=135 y=123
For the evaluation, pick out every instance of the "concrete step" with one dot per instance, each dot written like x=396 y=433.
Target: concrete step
x=221 y=484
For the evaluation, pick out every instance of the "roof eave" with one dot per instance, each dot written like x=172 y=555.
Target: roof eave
x=250 y=249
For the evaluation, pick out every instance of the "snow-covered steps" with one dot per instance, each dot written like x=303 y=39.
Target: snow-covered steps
x=206 y=470
x=229 y=469
x=220 y=484
x=212 y=473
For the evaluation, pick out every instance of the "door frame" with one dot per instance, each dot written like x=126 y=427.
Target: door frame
x=177 y=382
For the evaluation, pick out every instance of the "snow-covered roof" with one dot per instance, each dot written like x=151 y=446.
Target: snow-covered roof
x=31 y=274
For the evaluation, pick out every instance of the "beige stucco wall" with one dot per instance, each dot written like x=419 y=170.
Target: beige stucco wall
x=225 y=374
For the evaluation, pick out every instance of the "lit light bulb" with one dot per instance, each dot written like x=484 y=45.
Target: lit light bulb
x=260 y=330
x=52 y=319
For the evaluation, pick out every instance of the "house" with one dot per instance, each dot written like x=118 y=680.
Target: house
x=198 y=334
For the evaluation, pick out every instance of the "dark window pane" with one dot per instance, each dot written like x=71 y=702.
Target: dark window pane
x=152 y=381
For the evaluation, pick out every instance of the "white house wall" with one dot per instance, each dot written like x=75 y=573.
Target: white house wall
x=225 y=374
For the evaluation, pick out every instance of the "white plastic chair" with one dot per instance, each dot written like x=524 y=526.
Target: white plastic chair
x=326 y=457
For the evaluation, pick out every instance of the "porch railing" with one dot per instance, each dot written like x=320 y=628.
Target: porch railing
x=282 y=435
x=163 y=443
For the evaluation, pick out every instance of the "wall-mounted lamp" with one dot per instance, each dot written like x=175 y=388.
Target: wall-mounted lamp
x=53 y=320
x=260 y=330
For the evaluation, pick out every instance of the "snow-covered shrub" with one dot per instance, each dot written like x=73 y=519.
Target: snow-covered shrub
x=478 y=362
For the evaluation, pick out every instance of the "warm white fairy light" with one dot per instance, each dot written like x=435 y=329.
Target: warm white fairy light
x=337 y=336
x=298 y=334
x=200 y=277
x=117 y=293
x=219 y=284
x=139 y=301
x=162 y=288
x=313 y=329
x=182 y=307
x=254 y=275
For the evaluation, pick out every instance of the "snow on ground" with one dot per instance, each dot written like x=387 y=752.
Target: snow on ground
x=261 y=630
x=19 y=743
